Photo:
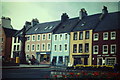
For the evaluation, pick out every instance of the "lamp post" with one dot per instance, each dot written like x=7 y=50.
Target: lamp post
x=22 y=52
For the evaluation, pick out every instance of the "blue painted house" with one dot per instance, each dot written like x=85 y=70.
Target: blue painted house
x=61 y=40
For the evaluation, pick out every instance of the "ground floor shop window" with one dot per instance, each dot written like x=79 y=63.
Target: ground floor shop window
x=110 y=61
x=60 y=59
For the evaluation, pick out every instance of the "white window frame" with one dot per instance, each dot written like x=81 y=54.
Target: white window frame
x=54 y=47
x=104 y=36
x=75 y=48
x=27 y=47
x=42 y=47
x=55 y=37
x=87 y=48
x=60 y=37
x=61 y=48
x=87 y=34
x=34 y=37
x=43 y=35
x=37 y=47
x=27 y=38
x=47 y=47
x=32 y=47
x=94 y=49
x=94 y=38
x=65 y=47
x=75 y=37
x=109 y=58
x=37 y=37
x=65 y=36
x=103 y=49
x=113 y=38
x=48 y=36
x=80 y=35
x=80 y=49
x=111 y=49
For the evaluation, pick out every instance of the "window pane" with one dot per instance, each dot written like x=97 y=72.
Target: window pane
x=38 y=37
x=15 y=40
x=87 y=35
x=33 y=47
x=49 y=36
x=14 y=47
x=55 y=47
x=75 y=48
x=105 y=36
x=86 y=47
x=65 y=46
x=80 y=48
x=80 y=35
x=60 y=59
x=17 y=47
x=75 y=36
x=60 y=37
x=60 y=47
x=65 y=36
x=55 y=37
x=48 y=46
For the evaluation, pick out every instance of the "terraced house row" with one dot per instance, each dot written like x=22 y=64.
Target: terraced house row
x=87 y=39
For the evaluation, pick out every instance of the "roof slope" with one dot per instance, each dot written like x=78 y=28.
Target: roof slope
x=67 y=26
x=43 y=27
x=9 y=32
x=110 y=22
x=87 y=23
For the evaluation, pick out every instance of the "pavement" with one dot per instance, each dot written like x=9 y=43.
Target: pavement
x=32 y=66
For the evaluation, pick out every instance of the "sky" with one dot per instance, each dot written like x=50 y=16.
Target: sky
x=20 y=12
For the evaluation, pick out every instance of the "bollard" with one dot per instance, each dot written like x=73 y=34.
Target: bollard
x=17 y=60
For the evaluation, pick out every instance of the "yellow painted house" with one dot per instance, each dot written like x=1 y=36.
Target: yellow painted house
x=81 y=39
x=80 y=47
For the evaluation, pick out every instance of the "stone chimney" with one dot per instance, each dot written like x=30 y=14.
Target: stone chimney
x=6 y=22
x=34 y=22
x=27 y=23
x=82 y=13
x=64 y=17
x=104 y=12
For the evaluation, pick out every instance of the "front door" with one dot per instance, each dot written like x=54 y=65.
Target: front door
x=100 y=61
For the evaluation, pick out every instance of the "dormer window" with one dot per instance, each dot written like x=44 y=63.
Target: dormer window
x=46 y=27
x=50 y=27
x=36 y=29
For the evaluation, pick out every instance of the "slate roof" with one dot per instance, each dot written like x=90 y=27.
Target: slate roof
x=87 y=23
x=66 y=26
x=9 y=32
x=19 y=32
x=43 y=27
x=110 y=22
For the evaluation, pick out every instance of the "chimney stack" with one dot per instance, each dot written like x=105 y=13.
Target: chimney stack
x=64 y=17
x=104 y=12
x=34 y=22
x=27 y=23
x=82 y=13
